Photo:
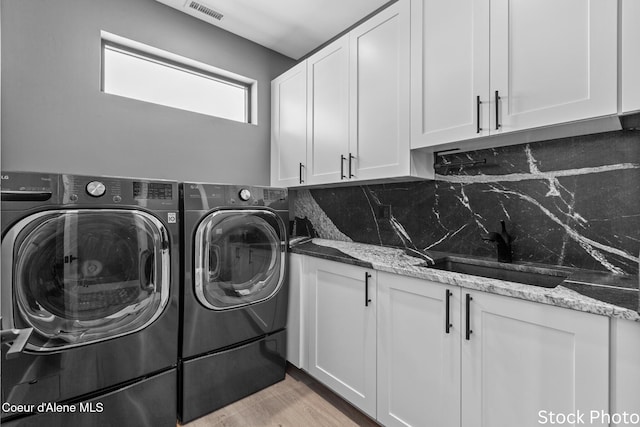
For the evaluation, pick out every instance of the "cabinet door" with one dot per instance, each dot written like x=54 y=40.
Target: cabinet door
x=380 y=95
x=552 y=62
x=296 y=312
x=535 y=357
x=328 y=117
x=630 y=56
x=449 y=71
x=342 y=330
x=418 y=356
x=625 y=368
x=289 y=127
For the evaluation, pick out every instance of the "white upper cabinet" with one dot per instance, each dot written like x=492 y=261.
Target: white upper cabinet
x=552 y=62
x=357 y=108
x=358 y=99
x=449 y=70
x=379 y=107
x=630 y=56
x=424 y=73
x=487 y=67
x=328 y=113
x=289 y=127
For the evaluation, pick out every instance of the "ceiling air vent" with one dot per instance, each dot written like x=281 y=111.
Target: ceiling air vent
x=207 y=11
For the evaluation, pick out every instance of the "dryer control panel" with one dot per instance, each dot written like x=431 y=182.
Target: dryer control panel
x=199 y=196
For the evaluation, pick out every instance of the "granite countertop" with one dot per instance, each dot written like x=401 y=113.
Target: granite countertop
x=583 y=290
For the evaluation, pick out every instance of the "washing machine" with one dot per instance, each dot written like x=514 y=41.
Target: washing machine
x=234 y=300
x=89 y=300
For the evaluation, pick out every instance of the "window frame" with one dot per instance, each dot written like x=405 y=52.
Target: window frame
x=157 y=56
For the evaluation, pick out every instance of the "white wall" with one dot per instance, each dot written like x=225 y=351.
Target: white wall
x=56 y=119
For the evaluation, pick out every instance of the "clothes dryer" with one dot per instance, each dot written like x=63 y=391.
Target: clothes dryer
x=89 y=300
x=234 y=300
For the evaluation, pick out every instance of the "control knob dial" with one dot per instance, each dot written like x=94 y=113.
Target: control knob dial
x=244 y=194
x=96 y=189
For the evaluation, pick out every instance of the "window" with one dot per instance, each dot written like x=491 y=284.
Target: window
x=140 y=72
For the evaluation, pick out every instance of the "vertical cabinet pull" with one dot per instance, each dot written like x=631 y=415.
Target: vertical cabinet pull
x=350 y=159
x=300 y=171
x=478 y=102
x=342 y=159
x=497 y=110
x=468 y=330
x=366 y=289
x=448 y=324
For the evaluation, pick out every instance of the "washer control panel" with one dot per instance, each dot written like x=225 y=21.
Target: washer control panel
x=94 y=190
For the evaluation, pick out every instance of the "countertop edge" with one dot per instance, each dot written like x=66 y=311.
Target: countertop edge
x=396 y=261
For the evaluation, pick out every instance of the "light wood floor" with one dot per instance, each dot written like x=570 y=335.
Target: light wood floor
x=297 y=401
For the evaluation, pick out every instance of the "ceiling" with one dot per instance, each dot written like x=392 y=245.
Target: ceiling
x=291 y=27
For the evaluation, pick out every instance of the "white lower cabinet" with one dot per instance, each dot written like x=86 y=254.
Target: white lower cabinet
x=503 y=362
x=296 y=314
x=418 y=360
x=625 y=372
x=342 y=330
x=412 y=352
x=528 y=364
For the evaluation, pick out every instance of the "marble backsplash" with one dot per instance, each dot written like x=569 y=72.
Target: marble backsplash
x=571 y=202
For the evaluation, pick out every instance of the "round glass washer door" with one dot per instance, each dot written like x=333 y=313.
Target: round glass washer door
x=82 y=276
x=239 y=258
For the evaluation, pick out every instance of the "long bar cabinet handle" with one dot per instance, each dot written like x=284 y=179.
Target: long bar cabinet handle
x=497 y=110
x=300 y=171
x=342 y=159
x=448 y=325
x=468 y=330
x=478 y=103
x=367 y=300
x=351 y=157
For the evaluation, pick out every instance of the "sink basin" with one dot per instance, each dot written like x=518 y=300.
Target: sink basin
x=537 y=276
